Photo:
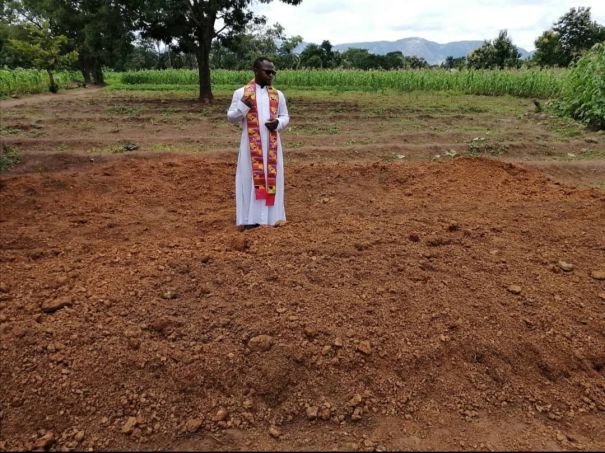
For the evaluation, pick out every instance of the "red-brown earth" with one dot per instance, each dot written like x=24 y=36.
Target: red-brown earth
x=407 y=304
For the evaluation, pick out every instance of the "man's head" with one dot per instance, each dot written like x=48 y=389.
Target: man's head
x=264 y=71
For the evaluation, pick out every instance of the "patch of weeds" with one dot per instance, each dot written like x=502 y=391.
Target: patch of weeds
x=295 y=145
x=475 y=129
x=480 y=145
x=9 y=130
x=83 y=126
x=9 y=157
x=112 y=149
x=591 y=153
x=358 y=142
x=125 y=110
x=163 y=147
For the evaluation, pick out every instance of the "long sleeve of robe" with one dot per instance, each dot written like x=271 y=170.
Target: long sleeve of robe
x=249 y=210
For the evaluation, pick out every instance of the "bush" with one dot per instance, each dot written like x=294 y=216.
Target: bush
x=8 y=157
x=583 y=95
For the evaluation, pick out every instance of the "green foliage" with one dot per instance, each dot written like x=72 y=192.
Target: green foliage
x=524 y=83
x=500 y=53
x=583 y=96
x=9 y=157
x=192 y=25
x=319 y=57
x=454 y=63
x=99 y=31
x=573 y=34
x=239 y=51
x=30 y=81
x=43 y=49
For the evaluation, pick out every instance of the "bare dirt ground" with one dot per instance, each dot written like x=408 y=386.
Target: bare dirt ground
x=413 y=300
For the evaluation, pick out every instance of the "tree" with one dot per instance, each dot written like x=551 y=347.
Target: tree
x=239 y=51
x=549 y=51
x=100 y=31
x=573 y=34
x=286 y=57
x=416 y=62
x=194 y=24
x=454 y=63
x=45 y=50
x=500 y=53
x=319 y=56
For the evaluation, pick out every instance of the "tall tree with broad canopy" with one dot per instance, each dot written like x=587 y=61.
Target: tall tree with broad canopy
x=193 y=24
x=500 y=53
x=100 y=31
x=573 y=34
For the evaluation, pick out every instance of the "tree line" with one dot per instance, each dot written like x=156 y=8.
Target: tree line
x=91 y=35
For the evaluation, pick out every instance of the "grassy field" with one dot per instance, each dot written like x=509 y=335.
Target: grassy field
x=326 y=125
x=524 y=83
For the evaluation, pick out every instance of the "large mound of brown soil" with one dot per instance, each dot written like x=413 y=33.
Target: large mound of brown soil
x=447 y=305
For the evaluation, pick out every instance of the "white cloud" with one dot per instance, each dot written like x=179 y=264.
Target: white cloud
x=442 y=21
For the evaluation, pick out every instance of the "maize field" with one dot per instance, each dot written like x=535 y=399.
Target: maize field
x=522 y=83
x=30 y=81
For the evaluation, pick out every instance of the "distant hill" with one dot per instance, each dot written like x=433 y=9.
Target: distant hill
x=432 y=52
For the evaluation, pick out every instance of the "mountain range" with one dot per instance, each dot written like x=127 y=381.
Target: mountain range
x=432 y=52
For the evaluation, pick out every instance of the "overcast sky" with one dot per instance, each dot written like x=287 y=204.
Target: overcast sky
x=346 y=21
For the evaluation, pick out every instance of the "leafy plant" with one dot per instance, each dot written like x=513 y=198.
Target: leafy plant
x=9 y=157
x=583 y=96
x=44 y=49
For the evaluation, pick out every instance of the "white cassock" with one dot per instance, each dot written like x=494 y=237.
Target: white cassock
x=249 y=210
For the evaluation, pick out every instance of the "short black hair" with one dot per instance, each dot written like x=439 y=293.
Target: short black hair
x=259 y=60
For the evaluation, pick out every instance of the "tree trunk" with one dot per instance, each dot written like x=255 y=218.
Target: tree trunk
x=86 y=75
x=97 y=73
x=203 y=64
x=84 y=65
x=52 y=86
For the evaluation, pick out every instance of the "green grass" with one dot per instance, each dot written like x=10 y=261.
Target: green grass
x=9 y=157
x=15 y=82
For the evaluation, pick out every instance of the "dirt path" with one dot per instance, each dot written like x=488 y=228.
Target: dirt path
x=75 y=93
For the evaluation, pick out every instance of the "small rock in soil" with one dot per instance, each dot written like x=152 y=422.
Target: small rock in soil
x=567 y=267
x=44 y=442
x=312 y=412
x=51 y=306
x=598 y=275
x=364 y=347
x=169 y=294
x=193 y=425
x=220 y=415
x=129 y=425
x=515 y=289
x=261 y=343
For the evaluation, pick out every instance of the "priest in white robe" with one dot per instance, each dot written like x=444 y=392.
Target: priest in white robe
x=250 y=210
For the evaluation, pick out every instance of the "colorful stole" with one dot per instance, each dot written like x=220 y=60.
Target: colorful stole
x=265 y=187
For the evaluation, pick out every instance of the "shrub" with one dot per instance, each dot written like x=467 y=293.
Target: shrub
x=8 y=157
x=583 y=95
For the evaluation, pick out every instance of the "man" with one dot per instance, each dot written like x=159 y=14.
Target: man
x=259 y=179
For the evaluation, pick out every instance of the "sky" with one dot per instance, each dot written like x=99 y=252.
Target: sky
x=442 y=21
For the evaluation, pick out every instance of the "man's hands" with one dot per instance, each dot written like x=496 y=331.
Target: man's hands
x=272 y=124
x=247 y=100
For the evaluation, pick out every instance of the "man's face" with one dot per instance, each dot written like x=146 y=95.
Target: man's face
x=264 y=73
